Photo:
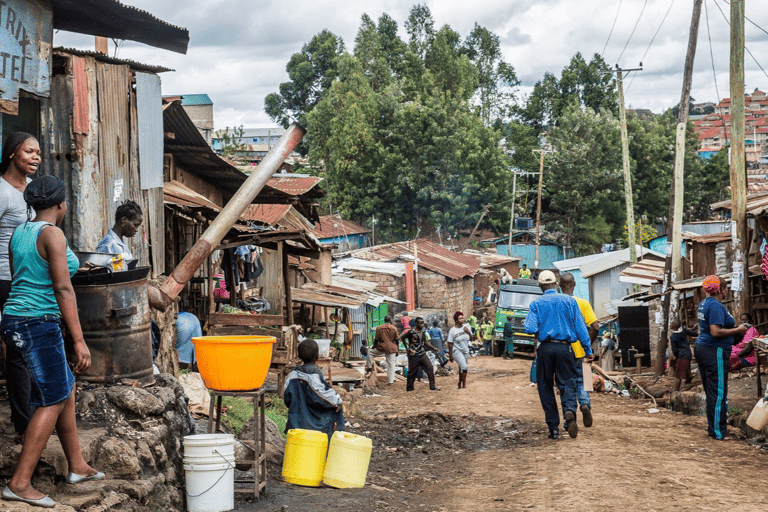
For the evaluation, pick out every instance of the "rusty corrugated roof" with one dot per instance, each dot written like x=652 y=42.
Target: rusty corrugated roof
x=332 y=226
x=431 y=257
x=293 y=185
x=269 y=214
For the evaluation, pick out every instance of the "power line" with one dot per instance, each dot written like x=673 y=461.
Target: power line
x=612 y=26
x=745 y=46
x=652 y=40
x=749 y=20
x=711 y=53
x=633 y=31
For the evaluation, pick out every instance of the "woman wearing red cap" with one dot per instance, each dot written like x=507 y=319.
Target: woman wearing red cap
x=712 y=351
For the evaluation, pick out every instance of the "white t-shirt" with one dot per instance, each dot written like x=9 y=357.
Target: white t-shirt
x=459 y=337
x=13 y=211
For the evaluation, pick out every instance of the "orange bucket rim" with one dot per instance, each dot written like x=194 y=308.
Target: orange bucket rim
x=234 y=339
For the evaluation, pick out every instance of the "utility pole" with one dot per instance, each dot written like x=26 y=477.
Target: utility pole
x=739 y=282
x=512 y=213
x=373 y=229
x=673 y=261
x=631 y=232
x=538 y=206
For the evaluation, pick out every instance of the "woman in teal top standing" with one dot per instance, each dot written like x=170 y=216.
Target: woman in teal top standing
x=41 y=296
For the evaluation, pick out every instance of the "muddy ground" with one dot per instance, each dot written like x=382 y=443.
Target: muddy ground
x=486 y=448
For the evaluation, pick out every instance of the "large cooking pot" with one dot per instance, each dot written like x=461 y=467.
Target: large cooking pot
x=114 y=315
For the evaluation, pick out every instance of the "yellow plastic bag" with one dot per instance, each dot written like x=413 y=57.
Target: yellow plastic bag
x=578 y=350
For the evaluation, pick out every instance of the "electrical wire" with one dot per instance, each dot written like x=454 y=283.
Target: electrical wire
x=749 y=20
x=612 y=27
x=633 y=30
x=711 y=53
x=745 y=46
x=652 y=40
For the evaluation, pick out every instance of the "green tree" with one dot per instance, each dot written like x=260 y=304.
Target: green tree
x=581 y=83
x=312 y=71
x=583 y=179
x=705 y=183
x=421 y=30
x=496 y=79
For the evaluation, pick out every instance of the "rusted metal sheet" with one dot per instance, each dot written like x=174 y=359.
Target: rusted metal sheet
x=431 y=256
x=80 y=118
x=295 y=186
x=114 y=315
x=359 y=320
x=331 y=226
x=26 y=34
x=149 y=105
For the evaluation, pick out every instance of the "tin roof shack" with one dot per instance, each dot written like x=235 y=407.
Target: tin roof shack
x=345 y=234
x=573 y=265
x=524 y=246
x=444 y=280
x=389 y=278
x=604 y=277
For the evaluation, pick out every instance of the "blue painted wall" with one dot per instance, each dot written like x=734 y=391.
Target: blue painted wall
x=547 y=254
x=660 y=245
x=582 y=284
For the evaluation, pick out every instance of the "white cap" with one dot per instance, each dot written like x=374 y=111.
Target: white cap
x=547 y=277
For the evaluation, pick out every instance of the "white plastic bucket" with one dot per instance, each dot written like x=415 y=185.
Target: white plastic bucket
x=209 y=468
x=323 y=346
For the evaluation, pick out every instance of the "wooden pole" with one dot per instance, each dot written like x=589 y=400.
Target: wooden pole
x=281 y=247
x=512 y=212
x=538 y=209
x=101 y=45
x=738 y=177
x=631 y=233
x=673 y=261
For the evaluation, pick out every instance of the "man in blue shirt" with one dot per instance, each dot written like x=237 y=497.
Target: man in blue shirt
x=557 y=322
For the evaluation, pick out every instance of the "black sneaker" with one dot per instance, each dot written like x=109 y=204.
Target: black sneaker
x=586 y=415
x=554 y=434
x=572 y=426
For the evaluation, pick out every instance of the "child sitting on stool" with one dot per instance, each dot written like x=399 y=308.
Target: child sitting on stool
x=312 y=403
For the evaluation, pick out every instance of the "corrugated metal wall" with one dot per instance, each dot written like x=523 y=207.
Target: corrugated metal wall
x=547 y=254
x=360 y=324
x=100 y=163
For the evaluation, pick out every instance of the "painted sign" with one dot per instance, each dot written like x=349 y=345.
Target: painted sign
x=26 y=34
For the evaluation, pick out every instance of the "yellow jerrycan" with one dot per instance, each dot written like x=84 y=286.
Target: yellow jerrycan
x=304 y=457
x=759 y=415
x=348 y=459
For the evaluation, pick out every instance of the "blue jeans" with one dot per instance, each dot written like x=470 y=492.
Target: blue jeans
x=39 y=341
x=582 y=395
x=555 y=360
x=488 y=345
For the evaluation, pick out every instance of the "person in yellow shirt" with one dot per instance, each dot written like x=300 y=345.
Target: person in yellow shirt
x=568 y=284
x=525 y=272
x=486 y=330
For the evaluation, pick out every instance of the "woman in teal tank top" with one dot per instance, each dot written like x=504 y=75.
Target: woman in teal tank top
x=41 y=297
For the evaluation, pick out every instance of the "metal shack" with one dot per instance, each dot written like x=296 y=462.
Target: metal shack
x=98 y=119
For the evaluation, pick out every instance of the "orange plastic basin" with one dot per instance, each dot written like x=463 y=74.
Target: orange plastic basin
x=233 y=363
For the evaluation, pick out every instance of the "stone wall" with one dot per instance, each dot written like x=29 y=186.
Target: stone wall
x=654 y=329
x=386 y=284
x=438 y=292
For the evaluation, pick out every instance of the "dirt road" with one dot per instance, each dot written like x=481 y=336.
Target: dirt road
x=486 y=448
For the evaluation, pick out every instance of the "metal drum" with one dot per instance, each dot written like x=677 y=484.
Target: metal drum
x=114 y=316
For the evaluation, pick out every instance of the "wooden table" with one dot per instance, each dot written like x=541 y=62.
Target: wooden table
x=259 y=461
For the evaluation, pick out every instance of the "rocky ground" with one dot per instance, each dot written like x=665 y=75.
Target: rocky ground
x=486 y=448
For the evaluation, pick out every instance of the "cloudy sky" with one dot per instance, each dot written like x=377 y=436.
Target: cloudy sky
x=238 y=48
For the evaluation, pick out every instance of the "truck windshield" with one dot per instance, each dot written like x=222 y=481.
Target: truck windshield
x=509 y=300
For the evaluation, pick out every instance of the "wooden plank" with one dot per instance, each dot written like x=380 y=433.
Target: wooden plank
x=246 y=320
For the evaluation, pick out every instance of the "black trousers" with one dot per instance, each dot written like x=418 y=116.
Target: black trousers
x=16 y=377
x=713 y=366
x=415 y=362
x=555 y=360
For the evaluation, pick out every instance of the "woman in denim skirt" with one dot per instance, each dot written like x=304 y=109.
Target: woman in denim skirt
x=41 y=296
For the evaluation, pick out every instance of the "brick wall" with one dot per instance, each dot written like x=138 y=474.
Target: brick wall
x=386 y=284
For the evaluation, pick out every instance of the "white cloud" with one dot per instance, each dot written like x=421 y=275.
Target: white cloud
x=239 y=48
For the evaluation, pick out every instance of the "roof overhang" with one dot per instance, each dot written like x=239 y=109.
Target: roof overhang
x=112 y=19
